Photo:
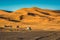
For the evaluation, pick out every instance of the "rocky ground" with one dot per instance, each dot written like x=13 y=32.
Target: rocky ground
x=31 y=35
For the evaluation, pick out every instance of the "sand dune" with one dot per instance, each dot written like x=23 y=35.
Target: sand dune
x=36 y=18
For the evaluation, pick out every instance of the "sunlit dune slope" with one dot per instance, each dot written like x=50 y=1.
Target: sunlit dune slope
x=36 y=18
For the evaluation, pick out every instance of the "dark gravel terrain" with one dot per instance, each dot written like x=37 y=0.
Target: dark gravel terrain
x=31 y=35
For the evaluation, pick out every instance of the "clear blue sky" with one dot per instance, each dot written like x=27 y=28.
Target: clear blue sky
x=12 y=5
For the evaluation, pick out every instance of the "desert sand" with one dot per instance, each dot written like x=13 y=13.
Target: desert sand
x=44 y=24
x=36 y=18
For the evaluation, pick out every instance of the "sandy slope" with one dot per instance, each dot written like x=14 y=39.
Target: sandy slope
x=36 y=18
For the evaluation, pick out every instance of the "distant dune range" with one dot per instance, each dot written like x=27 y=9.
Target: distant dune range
x=36 y=18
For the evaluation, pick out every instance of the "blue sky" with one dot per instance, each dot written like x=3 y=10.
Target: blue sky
x=12 y=5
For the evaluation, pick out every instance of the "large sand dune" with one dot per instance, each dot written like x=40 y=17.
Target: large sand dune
x=36 y=18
